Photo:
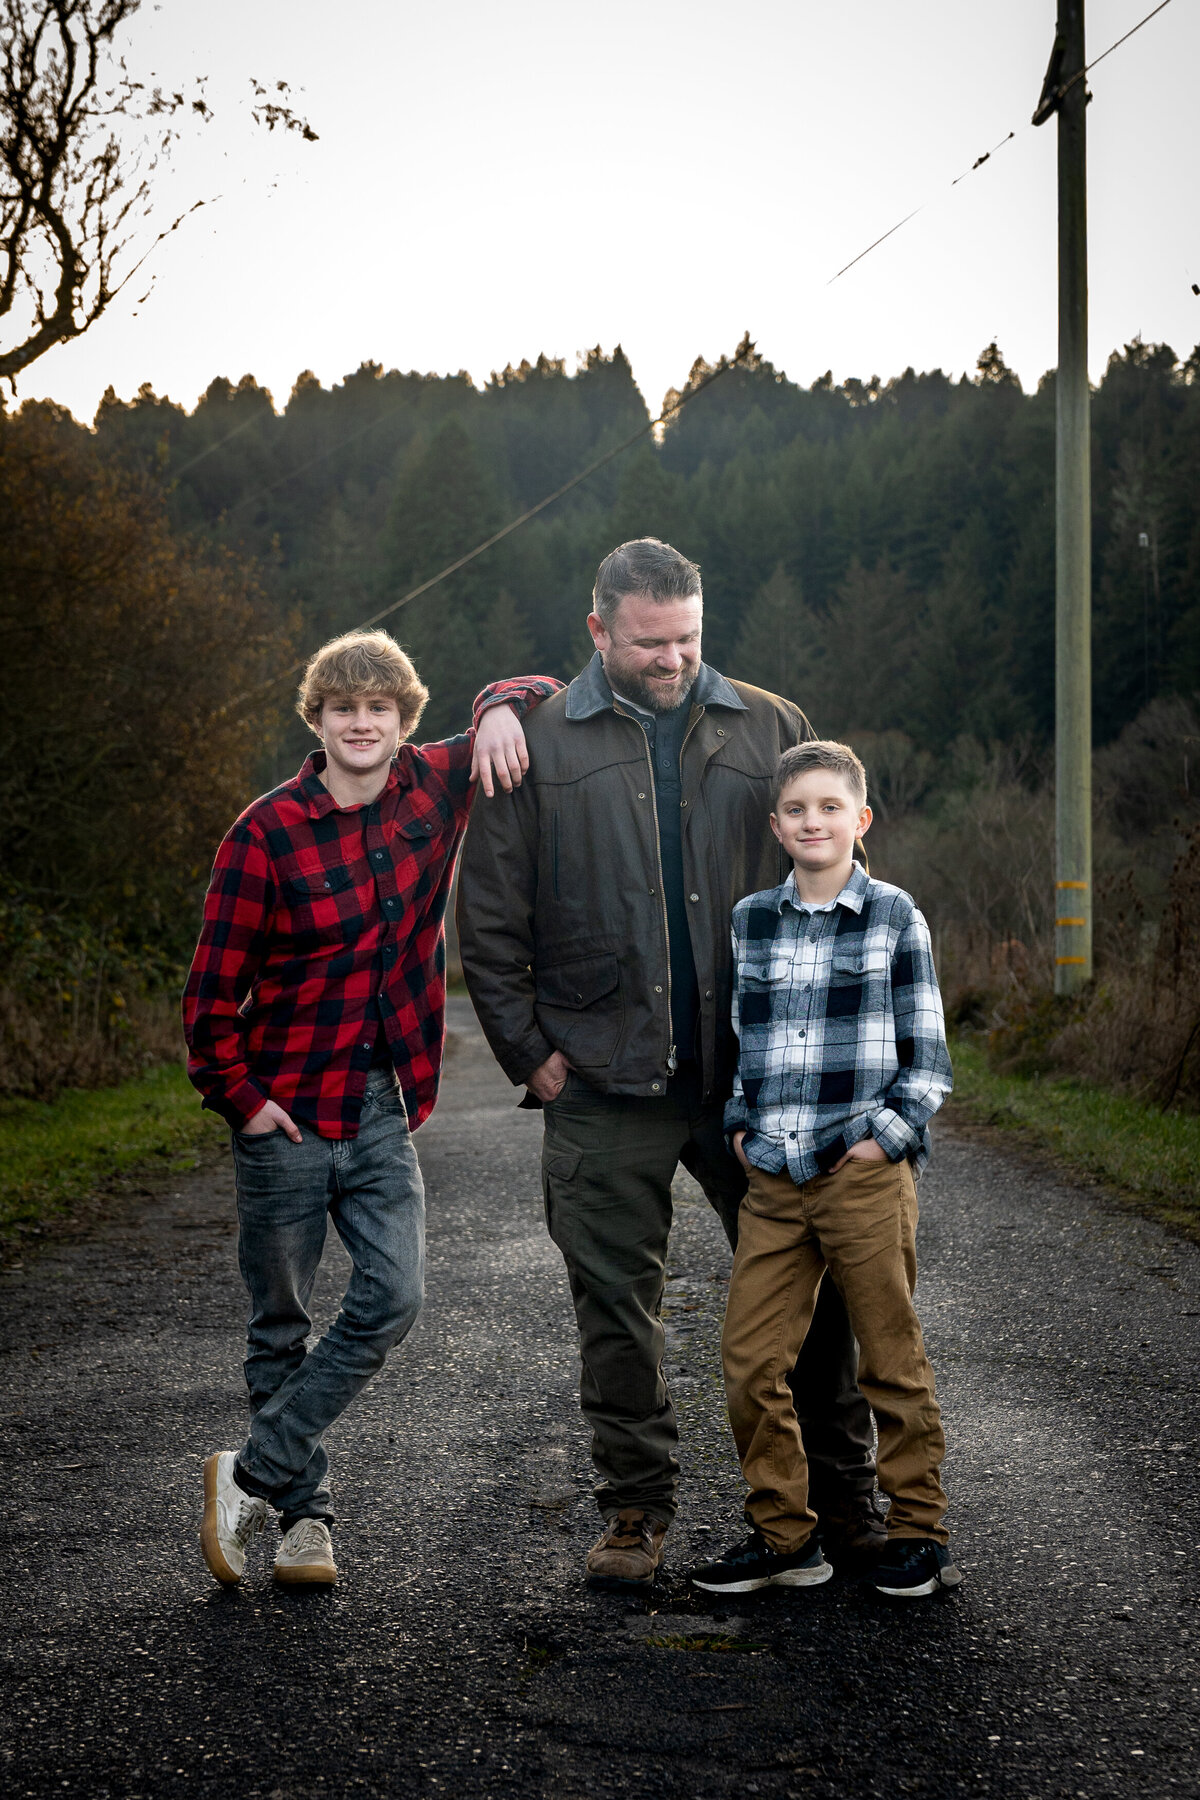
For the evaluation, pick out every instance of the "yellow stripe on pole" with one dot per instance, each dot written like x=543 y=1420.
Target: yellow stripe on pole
x=1071 y=959
x=1071 y=884
x=1070 y=921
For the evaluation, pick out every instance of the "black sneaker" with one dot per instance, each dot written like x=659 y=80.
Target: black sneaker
x=912 y=1567
x=754 y=1564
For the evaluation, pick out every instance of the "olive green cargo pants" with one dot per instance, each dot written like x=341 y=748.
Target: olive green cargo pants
x=607 y=1167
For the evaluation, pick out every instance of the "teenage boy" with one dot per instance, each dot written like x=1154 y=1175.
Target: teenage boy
x=315 y=1019
x=842 y=1064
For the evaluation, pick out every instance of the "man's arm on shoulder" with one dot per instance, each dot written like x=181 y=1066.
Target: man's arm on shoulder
x=925 y=1076
x=497 y=902
x=237 y=910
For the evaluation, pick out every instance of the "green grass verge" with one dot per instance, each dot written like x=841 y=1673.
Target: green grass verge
x=1153 y=1157
x=52 y=1157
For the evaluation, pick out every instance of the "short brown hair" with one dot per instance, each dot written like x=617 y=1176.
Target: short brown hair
x=643 y=566
x=821 y=753
x=362 y=662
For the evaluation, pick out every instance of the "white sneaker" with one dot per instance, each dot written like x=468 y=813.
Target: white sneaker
x=231 y=1519
x=305 y=1553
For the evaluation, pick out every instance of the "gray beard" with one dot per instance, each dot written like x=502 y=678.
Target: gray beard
x=635 y=687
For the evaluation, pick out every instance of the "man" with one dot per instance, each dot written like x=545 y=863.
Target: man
x=317 y=986
x=594 y=927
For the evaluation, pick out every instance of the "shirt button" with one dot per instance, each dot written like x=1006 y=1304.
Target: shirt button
x=366 y=1046
x=379 y=856
x=803 y=1033
x=708 y=993
x=693 y=896
x=683 y=803
x=429 y=827
x=791 y=1134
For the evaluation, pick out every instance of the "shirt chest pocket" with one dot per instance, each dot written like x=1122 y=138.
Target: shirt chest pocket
x=418 y=843
x=320 y=902
x=764 y=985
x=858 y=981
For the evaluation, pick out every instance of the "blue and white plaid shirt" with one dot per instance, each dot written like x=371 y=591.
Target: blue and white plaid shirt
x=840 y=1026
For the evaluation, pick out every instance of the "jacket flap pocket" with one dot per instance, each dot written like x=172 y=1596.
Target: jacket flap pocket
x=319 y=884
x=576 y=984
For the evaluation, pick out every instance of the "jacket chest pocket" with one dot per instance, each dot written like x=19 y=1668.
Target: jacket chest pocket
x=857 y=983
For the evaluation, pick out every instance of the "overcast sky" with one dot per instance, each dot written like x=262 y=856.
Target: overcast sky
x=493 y=180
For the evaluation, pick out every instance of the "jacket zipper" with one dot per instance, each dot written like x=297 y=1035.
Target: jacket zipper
x=687 y=734
x=672 y=1062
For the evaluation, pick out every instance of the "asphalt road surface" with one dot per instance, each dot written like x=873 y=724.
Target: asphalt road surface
x=461 y=1655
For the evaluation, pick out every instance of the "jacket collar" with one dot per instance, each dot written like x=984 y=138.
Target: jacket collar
x=851 y=897
x=590 y=693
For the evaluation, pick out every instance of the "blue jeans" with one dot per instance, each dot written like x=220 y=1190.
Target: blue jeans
x=371 y=1187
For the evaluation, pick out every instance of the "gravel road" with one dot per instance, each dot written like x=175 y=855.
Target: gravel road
x=461 y=1655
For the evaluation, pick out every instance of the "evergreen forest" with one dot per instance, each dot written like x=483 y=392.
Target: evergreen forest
x=880 y=551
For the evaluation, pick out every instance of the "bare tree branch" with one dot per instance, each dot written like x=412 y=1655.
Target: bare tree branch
x=70 y=176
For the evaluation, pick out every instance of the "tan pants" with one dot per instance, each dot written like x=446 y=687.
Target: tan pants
x=860 y=1224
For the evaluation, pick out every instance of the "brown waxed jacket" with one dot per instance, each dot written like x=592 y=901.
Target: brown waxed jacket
x=561 y=919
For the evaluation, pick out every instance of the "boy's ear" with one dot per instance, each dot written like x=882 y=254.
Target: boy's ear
x=864 y=821
x=775 y=827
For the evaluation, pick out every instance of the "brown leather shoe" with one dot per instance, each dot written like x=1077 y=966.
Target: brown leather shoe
x=853 y=1529
x=628 y=1553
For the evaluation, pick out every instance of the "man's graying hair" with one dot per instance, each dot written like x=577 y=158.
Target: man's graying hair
x=643 y=566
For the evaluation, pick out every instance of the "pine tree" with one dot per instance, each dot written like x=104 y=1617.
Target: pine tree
x=445 y=503
x=780 y=645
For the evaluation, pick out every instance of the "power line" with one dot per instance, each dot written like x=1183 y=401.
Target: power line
x=1050 y=98
x=668 y=413
x=1116 y=45
x=740 y=358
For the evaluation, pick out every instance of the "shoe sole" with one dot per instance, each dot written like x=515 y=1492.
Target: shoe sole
x=621 y=1584
x=949 y=1577
x=210 y=1544
x=309 y=1574
x=785 y=1578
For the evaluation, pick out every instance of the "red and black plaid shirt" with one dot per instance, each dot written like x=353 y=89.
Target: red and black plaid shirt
x=321 y=923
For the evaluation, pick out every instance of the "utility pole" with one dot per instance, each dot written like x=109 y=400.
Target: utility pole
x=1065 y=92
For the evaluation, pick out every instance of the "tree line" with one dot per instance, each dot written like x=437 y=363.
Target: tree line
x=886 y=546
x=883 y=552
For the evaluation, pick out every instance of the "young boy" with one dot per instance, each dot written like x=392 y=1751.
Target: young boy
x=314 y=1014
x=842 y=1064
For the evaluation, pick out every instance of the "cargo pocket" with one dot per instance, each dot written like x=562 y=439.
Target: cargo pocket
x=559 y=1166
